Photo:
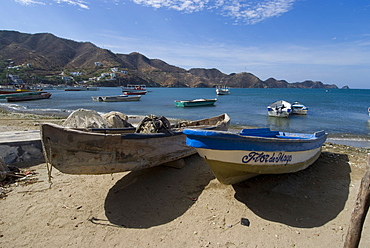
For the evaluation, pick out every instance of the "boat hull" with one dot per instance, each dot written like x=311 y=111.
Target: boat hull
x=236 y=157
x=231 y=167
x=20 y=94
x=29 y=97
x=120 y=98
x=221 y=92
x=195 y=103
x=110 y=150
x=77 y=152
x=279 y=109
x=133 y=93
x=274 y=113
x=299 y=111
x=134 y=90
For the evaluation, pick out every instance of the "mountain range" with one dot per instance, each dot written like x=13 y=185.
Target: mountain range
x=49 y=56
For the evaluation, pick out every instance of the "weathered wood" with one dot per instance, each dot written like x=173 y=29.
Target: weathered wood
x=74 y=151
x=178 y=164
x=360 y=210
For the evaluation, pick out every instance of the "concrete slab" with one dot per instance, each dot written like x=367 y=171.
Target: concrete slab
x=21 y=146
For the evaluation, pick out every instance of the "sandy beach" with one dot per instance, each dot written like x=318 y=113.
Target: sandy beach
x=188 y=207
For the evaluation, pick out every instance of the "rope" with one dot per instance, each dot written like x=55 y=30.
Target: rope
x=49 y=167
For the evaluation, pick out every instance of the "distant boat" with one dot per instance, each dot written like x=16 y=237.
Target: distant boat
x=41 y=95
x=4 y=96
x=120 y=98
x=222 y=90
x=299 y=109
x=11 y=90
x=279 y=109
x=235 y=157
x=368 y=110
x=134 y=89
x=195 y=102
x=81 y=88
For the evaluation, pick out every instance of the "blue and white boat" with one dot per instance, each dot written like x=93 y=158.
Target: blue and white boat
x=299 y=109
x=279 y=109
x=235 y=157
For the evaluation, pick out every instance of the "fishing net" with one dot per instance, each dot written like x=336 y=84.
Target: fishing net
x=154 y=124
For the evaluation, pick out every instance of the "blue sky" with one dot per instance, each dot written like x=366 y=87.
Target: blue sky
x=294 y=40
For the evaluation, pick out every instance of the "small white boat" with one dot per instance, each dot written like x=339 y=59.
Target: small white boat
x=235 y=157
x=280 y=109
x=134 y=89
x=222 y=90
x=368 y=110
x=299 y=109
x=81 y=88
x=120 y=98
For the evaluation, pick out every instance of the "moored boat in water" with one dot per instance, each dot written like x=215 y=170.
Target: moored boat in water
x=222 y=90
x=235 y=157
x=134 y=89
x=20 y=94
x=40 y=96
x=279 y=109
x=119 y=98
x=81 y=88
x=299 y=109
x=195 y=102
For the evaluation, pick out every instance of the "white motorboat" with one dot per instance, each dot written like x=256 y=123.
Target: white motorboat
x=280 y=109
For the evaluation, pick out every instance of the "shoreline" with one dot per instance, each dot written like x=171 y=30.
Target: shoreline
x=359 y=141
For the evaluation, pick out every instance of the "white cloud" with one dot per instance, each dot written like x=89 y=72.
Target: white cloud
x=79 y=3
x=188 y=6
x=249 y=12
x=241 y=11
x=27 y=2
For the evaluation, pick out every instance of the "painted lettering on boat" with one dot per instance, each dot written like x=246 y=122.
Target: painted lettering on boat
x=262 y=157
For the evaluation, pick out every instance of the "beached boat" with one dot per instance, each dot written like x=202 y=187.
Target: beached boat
x=40 y=96
x=134 y=89
x=20 y=94
x=222 y=90
x=120 y=98
x=299 y=109
x=110 y=150
x=235 y=157
x=195 y=102
x=280 y=109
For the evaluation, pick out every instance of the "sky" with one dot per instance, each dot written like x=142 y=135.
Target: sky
x=292 y=40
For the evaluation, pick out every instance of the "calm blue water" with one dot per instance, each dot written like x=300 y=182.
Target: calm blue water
x=341 y=113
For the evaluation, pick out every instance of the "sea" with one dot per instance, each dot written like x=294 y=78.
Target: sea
x=342 y=113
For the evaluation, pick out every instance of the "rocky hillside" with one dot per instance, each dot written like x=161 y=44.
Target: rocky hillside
x=47 y=56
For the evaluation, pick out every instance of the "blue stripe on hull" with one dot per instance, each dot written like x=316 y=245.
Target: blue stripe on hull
x=230 y=141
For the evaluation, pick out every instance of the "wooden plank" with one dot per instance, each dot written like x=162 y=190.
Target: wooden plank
x=360 y=210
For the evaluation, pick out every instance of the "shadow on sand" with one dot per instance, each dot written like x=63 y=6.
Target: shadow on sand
x=306 y=199
x=158 y=195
